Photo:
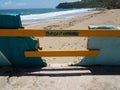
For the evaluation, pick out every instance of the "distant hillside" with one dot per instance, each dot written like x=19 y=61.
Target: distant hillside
x=110 y=4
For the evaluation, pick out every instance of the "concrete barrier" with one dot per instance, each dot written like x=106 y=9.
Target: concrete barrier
x=109 y=49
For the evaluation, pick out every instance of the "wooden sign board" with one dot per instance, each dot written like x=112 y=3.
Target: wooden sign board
x=62 y=33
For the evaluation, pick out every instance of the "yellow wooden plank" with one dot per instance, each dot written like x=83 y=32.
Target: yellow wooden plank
x=22 y=32
x=61 y=53
x=100 y=33
x=59 y=33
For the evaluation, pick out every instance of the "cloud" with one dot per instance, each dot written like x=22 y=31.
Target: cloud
x=8 y=3
x=21 y=4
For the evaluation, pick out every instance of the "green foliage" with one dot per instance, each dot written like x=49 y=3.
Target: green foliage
x=91 y=4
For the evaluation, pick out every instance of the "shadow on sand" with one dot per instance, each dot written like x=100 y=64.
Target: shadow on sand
x=53 y=72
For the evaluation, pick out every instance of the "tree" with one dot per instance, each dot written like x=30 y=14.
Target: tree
x=91 y=4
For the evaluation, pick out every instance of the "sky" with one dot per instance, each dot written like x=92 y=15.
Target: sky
x=20 y=4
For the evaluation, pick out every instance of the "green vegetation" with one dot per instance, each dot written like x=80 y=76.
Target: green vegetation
x=110 y=4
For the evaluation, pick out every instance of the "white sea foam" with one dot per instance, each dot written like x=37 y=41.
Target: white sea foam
x=52 y=14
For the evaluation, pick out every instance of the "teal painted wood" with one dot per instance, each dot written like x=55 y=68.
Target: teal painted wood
x=4 y=49
x=18 y=45
x=12 y=48
x=10 y=21
x=109 y=51
x=3 y=60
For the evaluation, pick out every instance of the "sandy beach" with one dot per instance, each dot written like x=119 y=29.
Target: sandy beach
x=103 y=17
x=58 y=75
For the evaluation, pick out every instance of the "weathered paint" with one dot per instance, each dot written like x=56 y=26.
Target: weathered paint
x=3 y=60
x=12 y=48
x=109 y=51
x=109 y=48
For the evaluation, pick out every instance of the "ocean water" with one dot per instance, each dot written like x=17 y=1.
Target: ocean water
x=47 y=14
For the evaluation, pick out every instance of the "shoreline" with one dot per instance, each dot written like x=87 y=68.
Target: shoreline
x=60 y=23
x=102 y=17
